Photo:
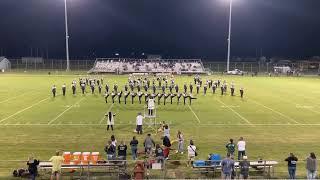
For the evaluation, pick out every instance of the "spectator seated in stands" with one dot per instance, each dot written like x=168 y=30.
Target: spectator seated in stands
x=148 y=65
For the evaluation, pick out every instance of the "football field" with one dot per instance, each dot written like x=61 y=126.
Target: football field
x=277 y=115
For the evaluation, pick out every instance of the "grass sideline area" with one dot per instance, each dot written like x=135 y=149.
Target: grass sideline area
x=277 y=115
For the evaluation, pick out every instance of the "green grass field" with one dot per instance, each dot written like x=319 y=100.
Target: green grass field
x=277 y=115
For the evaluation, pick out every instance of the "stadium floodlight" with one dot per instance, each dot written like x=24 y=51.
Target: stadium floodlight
x=67 y=34
x=229 y=36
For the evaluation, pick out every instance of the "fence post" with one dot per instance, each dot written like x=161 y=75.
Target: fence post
x=218 y=67
x=251 y=67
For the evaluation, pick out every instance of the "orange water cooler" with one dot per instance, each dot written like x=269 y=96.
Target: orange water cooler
x=76 y=157
x=67 y=157
x=95 y=157
x=85 y=158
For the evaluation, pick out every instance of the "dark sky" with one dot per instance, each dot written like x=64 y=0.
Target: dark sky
x=174 y=28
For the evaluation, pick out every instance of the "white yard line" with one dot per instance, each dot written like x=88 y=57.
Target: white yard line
x=281 y=114
x=6 y=100
x=185 y=124
x=311 y=109
x=24 y=109
x=50 y=122
x=243 y=118
x=107 y=112
x=194 y=113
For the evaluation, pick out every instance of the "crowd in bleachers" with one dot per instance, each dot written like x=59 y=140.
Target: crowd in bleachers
x=145 y=65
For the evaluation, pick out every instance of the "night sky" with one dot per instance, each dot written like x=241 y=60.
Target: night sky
x=173 y=28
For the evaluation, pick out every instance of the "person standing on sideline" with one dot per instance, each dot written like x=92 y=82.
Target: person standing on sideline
x=33 y=167
x=227 y=166
x=166 y=131
x=191 y=153
x=122 y=151
x=180 y=142
x=134 y=147
x=159 y=154
x=110 y=121
x=110 y=150
x=139 y=123
x=312 y=166
x=113 y=140
x=56 y=161
x=244 y=168
x=292 y=165
x=241 y=148
x=148 y=144
x=231 y=147
x=54 y=90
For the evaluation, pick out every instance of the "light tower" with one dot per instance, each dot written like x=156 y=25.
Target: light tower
x=67 y=34
x=229 y=36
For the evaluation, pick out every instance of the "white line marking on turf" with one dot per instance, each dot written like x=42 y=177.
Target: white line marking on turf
x=281 y=114
x=185 y=124
x=194 y=113
x=104 y=115
x=24 y=109
x=243 y=118
x=50 y=122
x=6 y=100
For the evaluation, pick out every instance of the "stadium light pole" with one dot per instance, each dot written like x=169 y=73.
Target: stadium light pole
x=229 y=36
x=67 y=34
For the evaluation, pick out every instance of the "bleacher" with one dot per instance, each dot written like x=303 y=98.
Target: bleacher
x=126 y=65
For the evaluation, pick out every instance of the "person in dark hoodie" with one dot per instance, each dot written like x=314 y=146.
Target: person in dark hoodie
x=32 y=167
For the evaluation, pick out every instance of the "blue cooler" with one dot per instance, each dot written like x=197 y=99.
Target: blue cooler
x=199 y=163
x=215 y=159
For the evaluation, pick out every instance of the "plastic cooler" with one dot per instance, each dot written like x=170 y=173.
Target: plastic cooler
x=67 y=157
x=76 y=157
x=95 y=157
x=199 y=163
x=85 y=158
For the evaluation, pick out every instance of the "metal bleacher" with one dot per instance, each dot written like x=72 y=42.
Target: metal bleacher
x=128 y=65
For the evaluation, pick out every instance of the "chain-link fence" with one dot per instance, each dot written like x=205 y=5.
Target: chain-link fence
x=52 y=64
x=215 y=67
x=251 y=67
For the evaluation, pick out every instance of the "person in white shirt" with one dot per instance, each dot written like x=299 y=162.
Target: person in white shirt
x=113 y=140
x=241 y=148
x=151 y=106
x=139 y=123
x=191 y=152
x=166 y=131
x=180 y=142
